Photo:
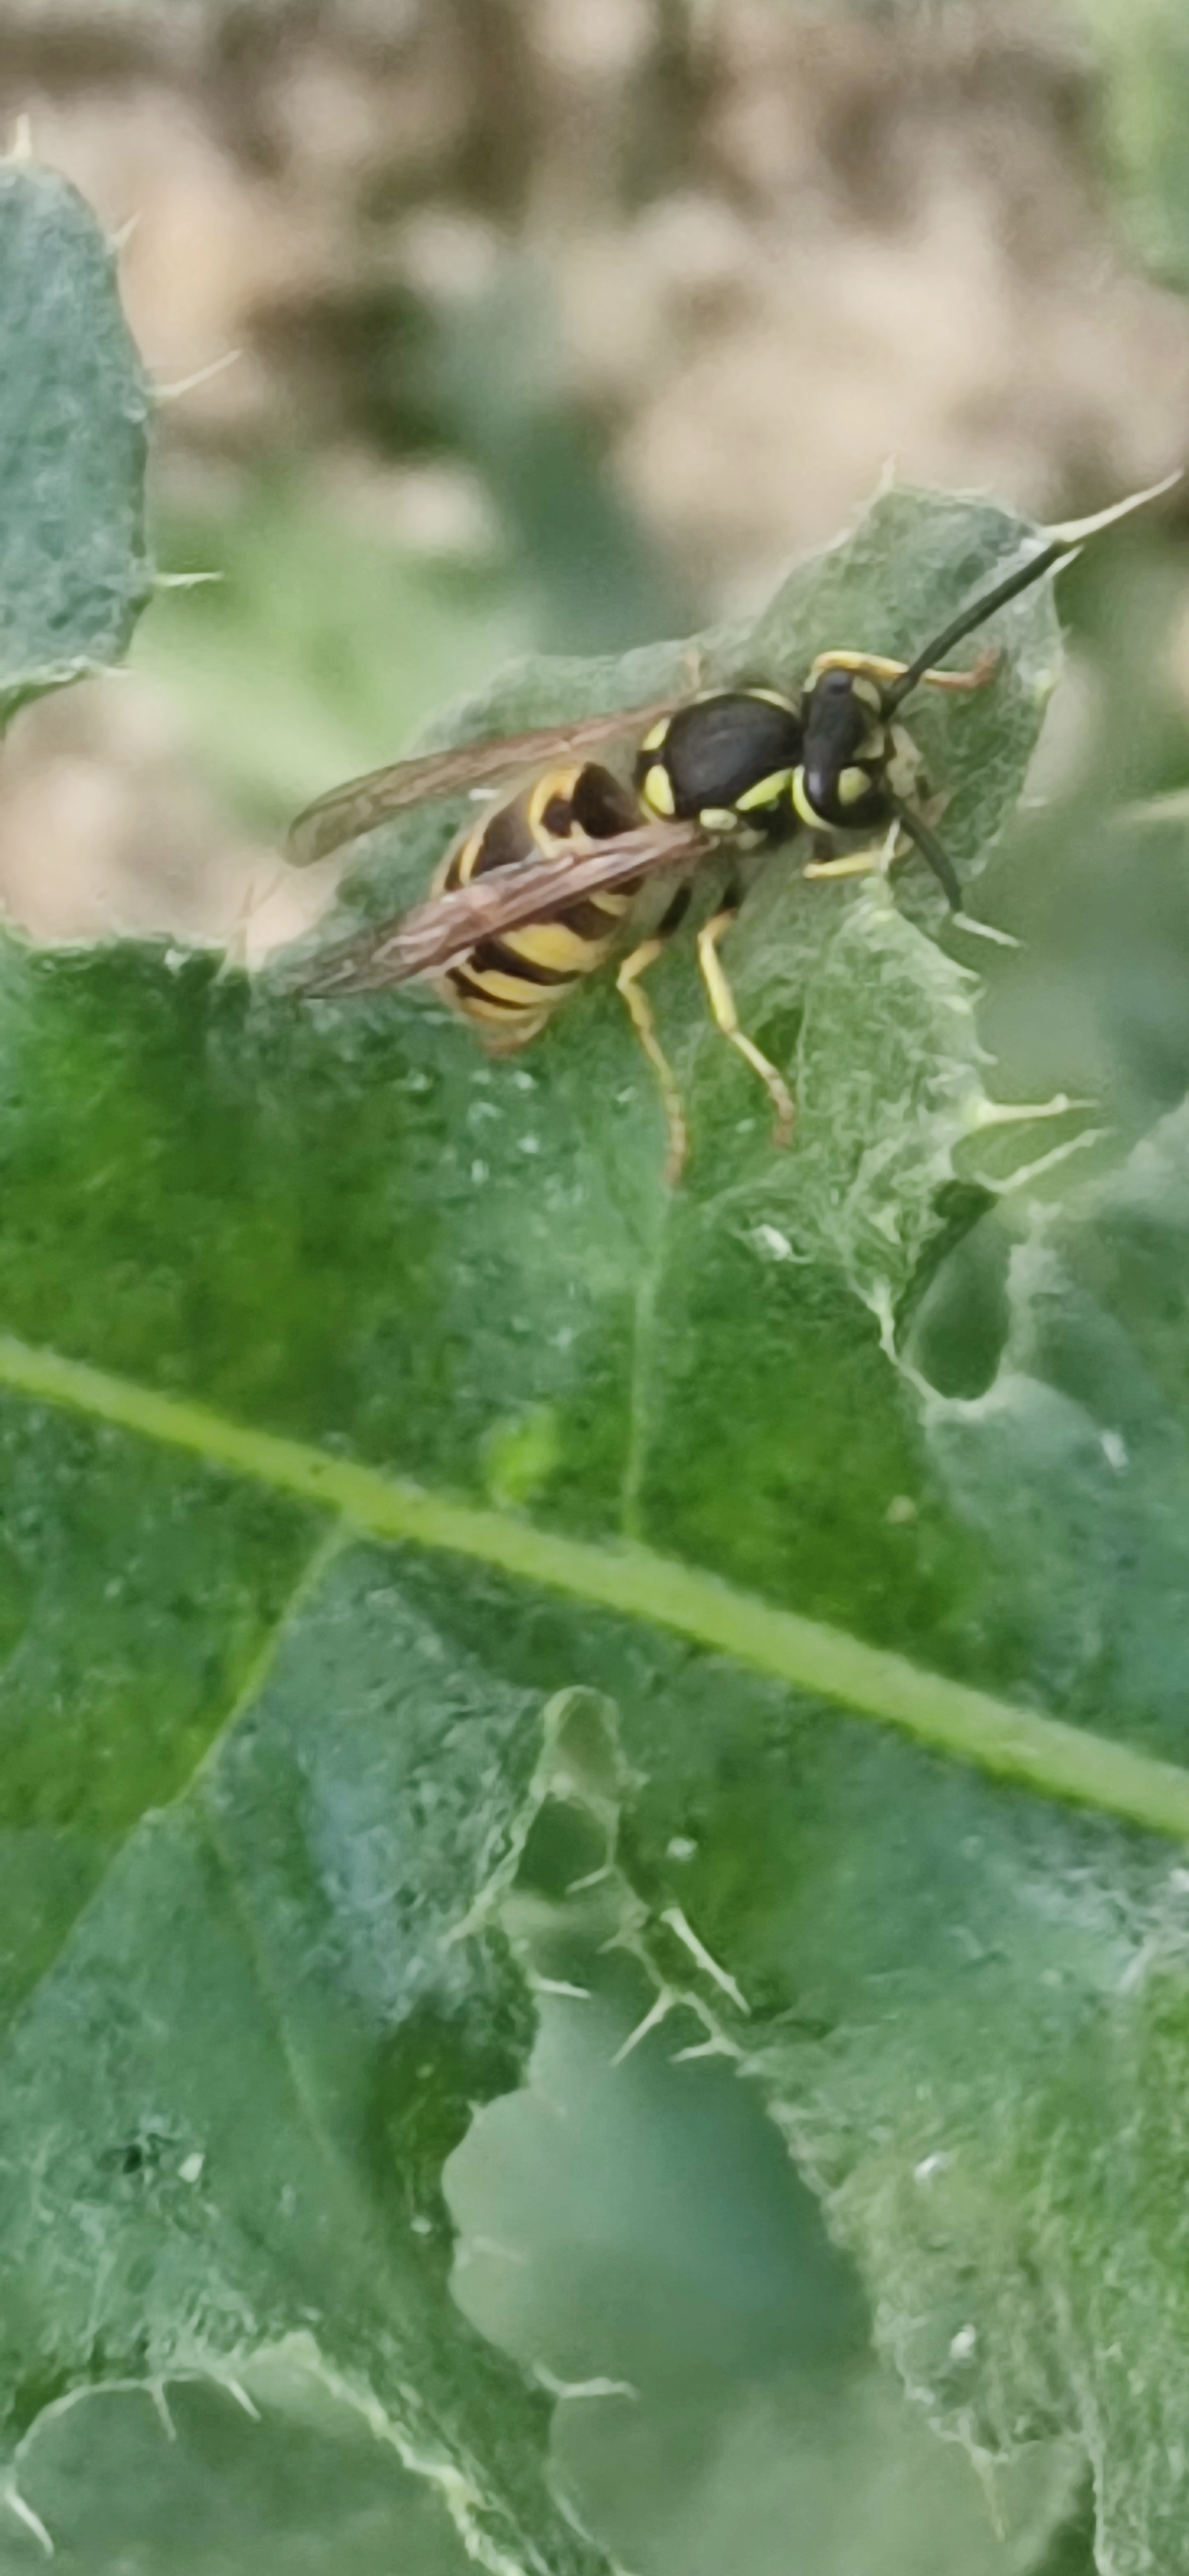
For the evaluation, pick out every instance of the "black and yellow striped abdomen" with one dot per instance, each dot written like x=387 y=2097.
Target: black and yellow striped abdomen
x=509 y=987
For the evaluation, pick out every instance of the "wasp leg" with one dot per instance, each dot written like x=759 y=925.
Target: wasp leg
x=874 y=862
x=726 y=1018
x=627 y=982
x=852 y=863
x=877 y=667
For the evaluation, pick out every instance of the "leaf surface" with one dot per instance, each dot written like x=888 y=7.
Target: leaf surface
x=341 y=1369
x=74 y=406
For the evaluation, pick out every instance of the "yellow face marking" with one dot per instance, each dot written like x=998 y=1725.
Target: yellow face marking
x=853 y=785
x=807 y=812
x=767 y=791
x=866 y=690
x=906 y=769
x=718 y=818
x=657 y=789
x=653 y=740
x=902 y=779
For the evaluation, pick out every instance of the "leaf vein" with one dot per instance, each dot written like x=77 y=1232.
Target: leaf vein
x=1010 y=1744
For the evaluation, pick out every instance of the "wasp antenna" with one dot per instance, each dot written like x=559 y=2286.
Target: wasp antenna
x=201 y=376
x=934 y=856
x=1023 y=578
x=21 y=146
x=1063 y=543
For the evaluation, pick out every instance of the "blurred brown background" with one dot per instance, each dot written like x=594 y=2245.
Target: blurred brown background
x=561 y=323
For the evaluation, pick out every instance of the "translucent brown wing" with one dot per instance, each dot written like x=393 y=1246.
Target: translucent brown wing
x=436 y=934
x=361 y=803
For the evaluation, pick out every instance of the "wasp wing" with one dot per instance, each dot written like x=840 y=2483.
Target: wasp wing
x=362 y=803
x=439 y=933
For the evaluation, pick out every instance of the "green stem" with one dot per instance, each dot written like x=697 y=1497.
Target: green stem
x=1013 y=1744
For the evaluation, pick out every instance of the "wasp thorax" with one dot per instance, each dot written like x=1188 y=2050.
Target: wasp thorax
x=726 y=757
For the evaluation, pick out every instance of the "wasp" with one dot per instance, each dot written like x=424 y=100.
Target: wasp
x=539 y=892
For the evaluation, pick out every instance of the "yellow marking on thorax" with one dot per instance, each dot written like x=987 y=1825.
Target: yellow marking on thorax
x=767 y=791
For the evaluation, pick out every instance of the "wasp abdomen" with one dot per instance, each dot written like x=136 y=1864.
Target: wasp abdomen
x=510 y=986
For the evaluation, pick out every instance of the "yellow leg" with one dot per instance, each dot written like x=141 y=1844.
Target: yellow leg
x=853 y=863
x=627 y=982
x=899 y=840
x=726 y=1018
x=875 y=666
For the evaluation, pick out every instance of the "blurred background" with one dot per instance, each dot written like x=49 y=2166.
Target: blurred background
x=487 y=325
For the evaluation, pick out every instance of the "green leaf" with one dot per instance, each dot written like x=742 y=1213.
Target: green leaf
x=230 y=2052
x=74 y=404
x=970 y=2016
x=362 y=1397
x=759 y=2424
x=216 y=2483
